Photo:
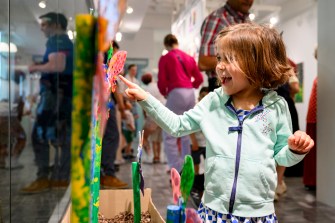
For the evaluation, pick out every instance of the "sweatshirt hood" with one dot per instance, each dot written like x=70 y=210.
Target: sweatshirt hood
x=270 y=97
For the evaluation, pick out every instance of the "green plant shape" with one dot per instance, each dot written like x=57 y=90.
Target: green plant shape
x=187 y=178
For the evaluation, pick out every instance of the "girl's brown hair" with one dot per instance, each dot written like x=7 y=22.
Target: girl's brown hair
x=258 y=51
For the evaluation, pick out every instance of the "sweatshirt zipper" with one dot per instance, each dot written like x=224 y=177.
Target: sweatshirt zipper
x=239 y=129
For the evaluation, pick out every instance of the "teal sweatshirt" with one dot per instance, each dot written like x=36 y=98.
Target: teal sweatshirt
x=241 y=156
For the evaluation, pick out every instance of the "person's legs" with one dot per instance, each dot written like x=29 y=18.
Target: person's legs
x=178 y=101
x=20 y=139
x=281 y=186
x=157 y=151
x=119 y=159
x=41 y=151
x=196 y=160
x=61 y=172
x=185 y=146
x=171 y=151
x=309 y=178
x=198 y=184
x=156 y=139
x=129 y=139
x=110 y=143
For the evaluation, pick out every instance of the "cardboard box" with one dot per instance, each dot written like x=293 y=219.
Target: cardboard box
x=112 y=202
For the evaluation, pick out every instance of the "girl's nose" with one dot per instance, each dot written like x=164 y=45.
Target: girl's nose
x=220 y=65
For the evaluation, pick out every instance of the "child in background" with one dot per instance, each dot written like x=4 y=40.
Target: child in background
x=128 y=129
x=246 y=124
x=198 y=140
x=152 y=132
x=198 y=148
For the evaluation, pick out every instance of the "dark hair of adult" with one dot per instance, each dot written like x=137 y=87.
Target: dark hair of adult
x=55 y=18
x=146 y=78
x=204 y=89
x=115 y=45
x=170 y=40
x=131 y=66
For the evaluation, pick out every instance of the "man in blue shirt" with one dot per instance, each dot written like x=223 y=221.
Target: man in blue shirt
x=53 y=118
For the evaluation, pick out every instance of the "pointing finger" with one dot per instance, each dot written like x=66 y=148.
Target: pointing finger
x=127 y=82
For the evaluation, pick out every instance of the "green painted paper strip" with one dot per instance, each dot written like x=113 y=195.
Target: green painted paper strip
x=95 y=180
x=110 y=53
x=136 y=192
x=187 y=178
x=81 y=118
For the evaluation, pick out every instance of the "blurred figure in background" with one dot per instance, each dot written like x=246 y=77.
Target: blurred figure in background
x=233 y=12
x=309 y=178
x=12 y=147
x=152 y=132
x=288 y=91
x=177 y=76
x=53 y=113
x=198 y=148
x=128 y=129
x=111 y=139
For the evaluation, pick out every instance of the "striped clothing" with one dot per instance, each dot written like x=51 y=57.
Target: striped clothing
x=208 y=215
x=213 y=24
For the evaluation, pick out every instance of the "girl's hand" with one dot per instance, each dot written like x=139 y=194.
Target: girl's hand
x=134 y=91
x=300 y=142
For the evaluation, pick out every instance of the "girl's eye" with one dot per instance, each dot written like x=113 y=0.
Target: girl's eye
x=218 y=58
x=228 y=59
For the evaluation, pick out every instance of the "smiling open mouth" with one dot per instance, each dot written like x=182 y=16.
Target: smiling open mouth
x=226 y=80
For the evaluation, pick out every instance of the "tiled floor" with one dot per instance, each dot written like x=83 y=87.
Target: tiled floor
x=18 y=208
x=296 y=206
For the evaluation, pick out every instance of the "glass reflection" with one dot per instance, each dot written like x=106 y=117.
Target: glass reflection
x=36 y=48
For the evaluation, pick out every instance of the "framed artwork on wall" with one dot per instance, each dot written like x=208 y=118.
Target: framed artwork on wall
x=299 y=97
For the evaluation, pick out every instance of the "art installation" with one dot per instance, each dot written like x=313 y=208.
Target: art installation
x=181 y=188
x=92 y=86
x=138 y=180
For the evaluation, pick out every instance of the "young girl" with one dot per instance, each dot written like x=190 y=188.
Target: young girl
x=246 y=125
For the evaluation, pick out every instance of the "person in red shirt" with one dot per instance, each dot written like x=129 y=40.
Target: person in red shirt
x=309 y=177
x=177 y=76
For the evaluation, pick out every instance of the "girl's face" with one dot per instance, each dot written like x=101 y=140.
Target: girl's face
x=233 y=80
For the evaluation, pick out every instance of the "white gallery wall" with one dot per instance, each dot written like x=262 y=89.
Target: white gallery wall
x=326 y=105
x=147 y=43
x=300 y=37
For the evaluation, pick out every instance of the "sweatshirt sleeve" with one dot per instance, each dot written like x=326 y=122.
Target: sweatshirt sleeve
x=282 y=153
x=176 y=125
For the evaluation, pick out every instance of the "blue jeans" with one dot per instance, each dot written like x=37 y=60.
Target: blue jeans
x=58 y=132
x=110 y=143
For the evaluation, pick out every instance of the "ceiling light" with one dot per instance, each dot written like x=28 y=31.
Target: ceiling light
x=12 y=48
x=4 y=47
x=252 y=16
x=118 y=37
x=273 y=20
x=130 y=10
x=42 y=4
